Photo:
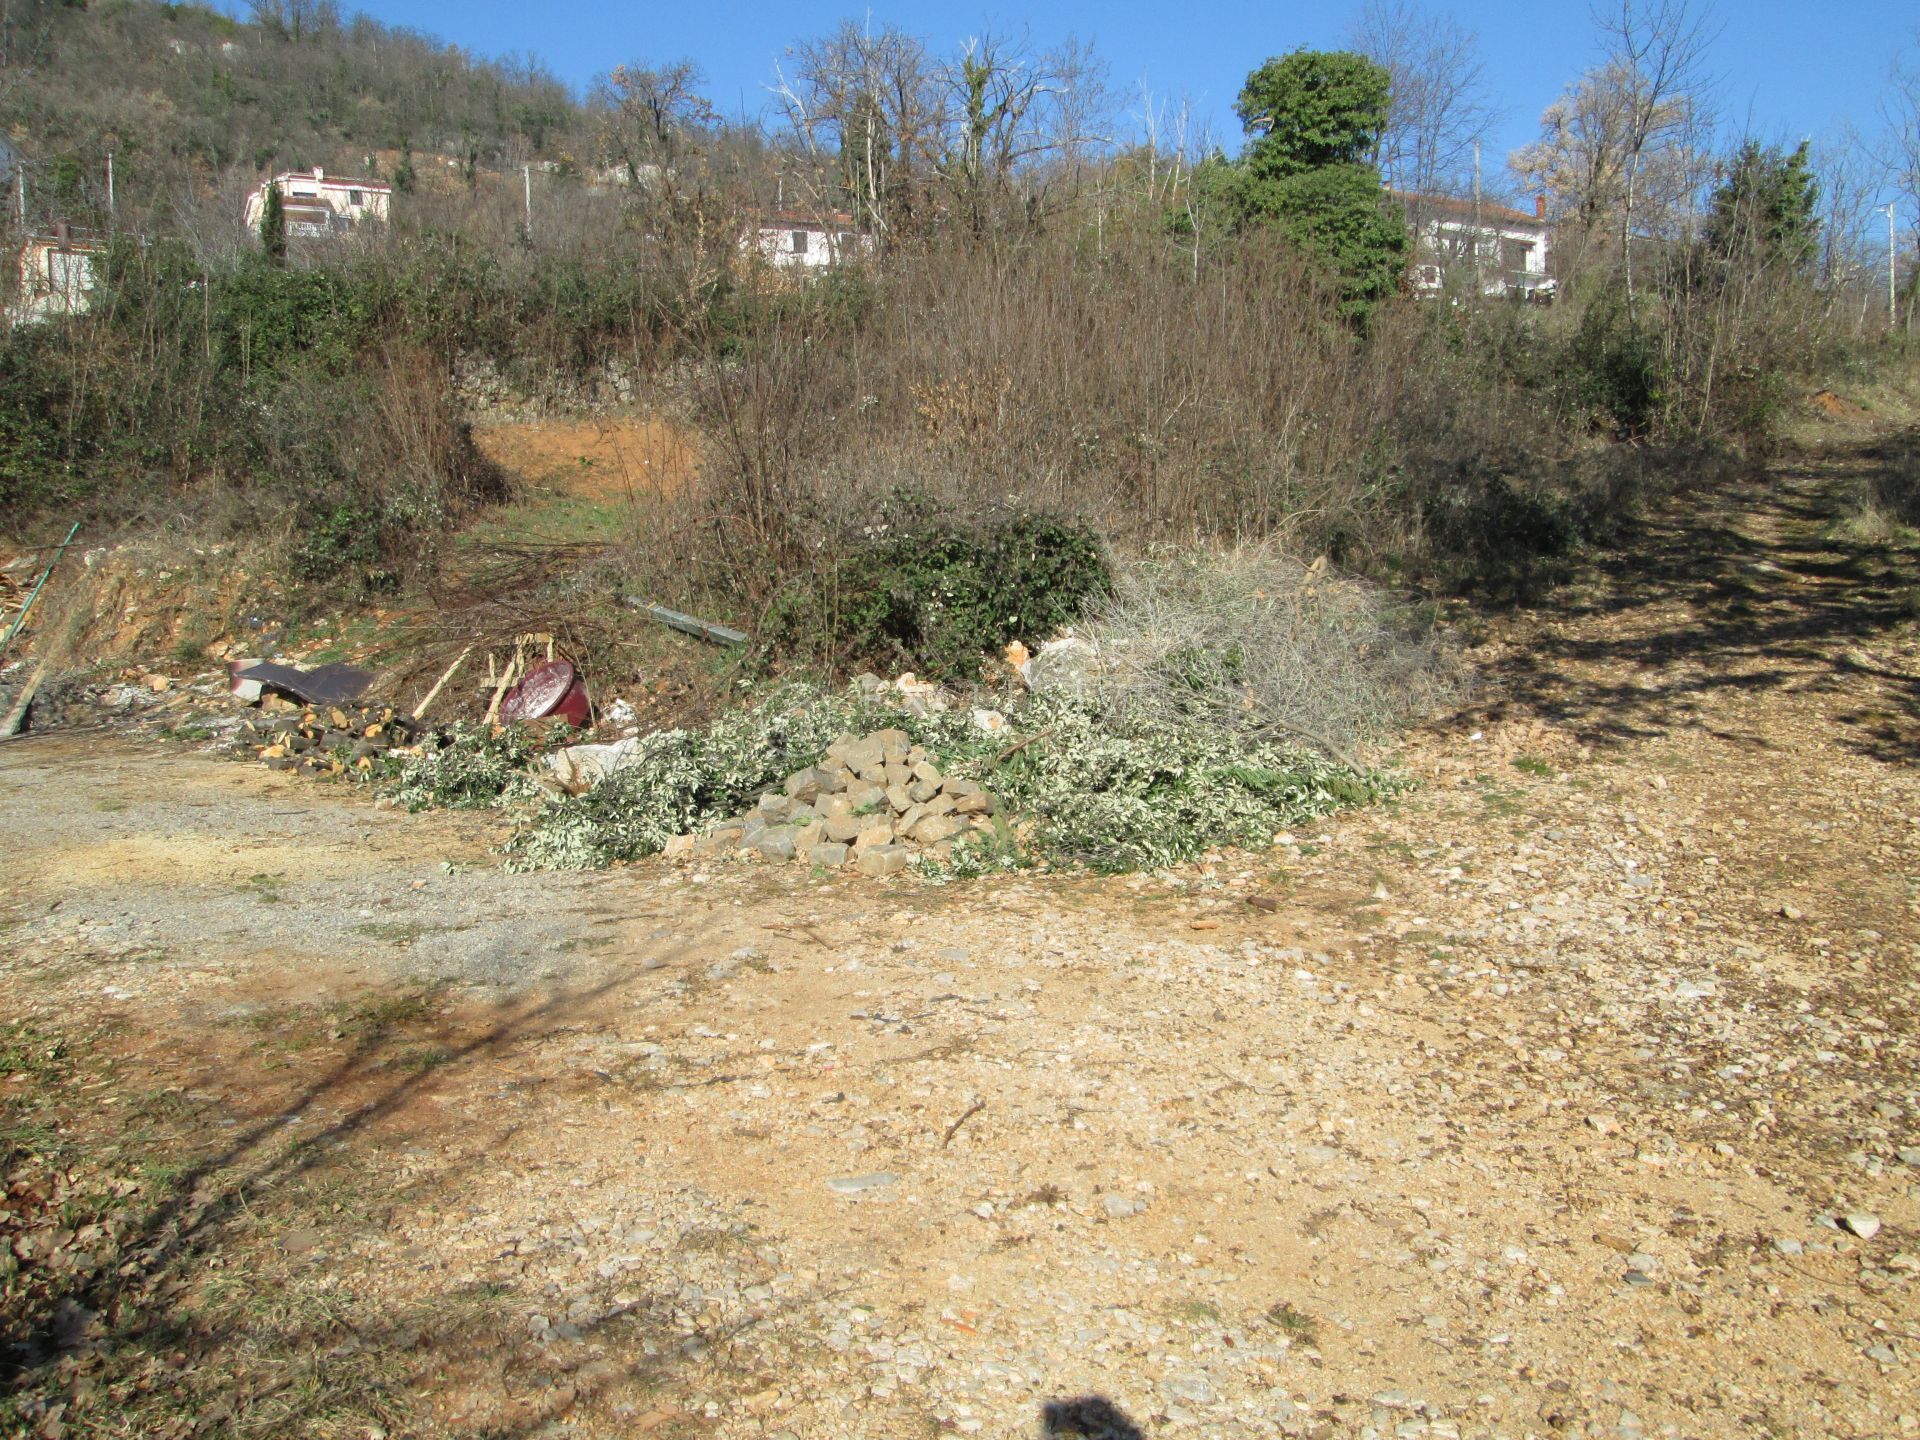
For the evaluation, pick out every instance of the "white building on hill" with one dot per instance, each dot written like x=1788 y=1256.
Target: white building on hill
x=1455 y=240
x=317 y=204
x=798 y=240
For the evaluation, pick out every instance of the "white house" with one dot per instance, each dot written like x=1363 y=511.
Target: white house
x=795 y=240
x=317 y=204
x=57 y=274
x=1459 y=239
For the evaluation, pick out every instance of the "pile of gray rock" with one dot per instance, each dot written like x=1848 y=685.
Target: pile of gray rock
x=872 y=804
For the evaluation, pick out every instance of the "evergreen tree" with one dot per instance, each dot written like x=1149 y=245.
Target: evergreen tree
x=273 y=225
x=1765 y=209
x=1314 y=117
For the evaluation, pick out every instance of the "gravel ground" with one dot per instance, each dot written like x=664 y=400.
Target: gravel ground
x=1573 y=1095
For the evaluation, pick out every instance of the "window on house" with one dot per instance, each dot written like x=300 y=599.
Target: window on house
x=799 y=242
x=354 y=198
x=1514 y=254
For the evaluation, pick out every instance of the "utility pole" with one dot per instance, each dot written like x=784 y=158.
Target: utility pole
x=526 y=178
x=1892 y=312
x=109 y=188
x=1479 y=289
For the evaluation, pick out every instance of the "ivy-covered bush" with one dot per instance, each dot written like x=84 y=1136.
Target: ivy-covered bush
x=936 y=598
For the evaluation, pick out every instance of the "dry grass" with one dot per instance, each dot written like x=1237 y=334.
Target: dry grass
x=1252 y=639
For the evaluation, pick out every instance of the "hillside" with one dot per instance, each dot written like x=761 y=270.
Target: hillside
x=181 y=95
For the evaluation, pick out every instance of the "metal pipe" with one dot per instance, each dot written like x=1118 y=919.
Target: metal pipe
x=21 y=618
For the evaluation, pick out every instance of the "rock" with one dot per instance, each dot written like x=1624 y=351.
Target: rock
x=1863 y=1225
x=1191 y=1386
x=1787 y=1245
x=826 y=853
x=860 y=756
x=859 y=1184
x=810 y=784
x=978 y=803
x=935 y=828
x=1788 y=912
x=774 y=807
x=845 y=829
x=1118 y=1207
x=880 y=860
x=1883 y=1354
x=898 y=798
x=1910 y=1155
x=866 y=797
x=1604 y=1124
x=873 y=832
x=775 y=844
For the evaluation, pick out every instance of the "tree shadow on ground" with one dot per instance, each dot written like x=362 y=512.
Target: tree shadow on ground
x=192 y=1330
x=1092 y=1416
x=1748 y=588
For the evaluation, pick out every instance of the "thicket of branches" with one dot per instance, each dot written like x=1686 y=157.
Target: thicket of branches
x=1050 y=317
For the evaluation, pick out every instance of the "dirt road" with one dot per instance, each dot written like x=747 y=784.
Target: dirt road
x=1573 y=1095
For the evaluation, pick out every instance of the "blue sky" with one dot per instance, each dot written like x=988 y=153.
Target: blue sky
x=1785 y=71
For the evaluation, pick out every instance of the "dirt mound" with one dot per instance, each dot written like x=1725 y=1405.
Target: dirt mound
x=1836 y=406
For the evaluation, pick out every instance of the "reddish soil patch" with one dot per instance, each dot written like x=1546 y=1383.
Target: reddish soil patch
x=595 y=458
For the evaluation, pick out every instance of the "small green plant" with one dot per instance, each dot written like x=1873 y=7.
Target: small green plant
x=1295 y=1323
x=1532 y=765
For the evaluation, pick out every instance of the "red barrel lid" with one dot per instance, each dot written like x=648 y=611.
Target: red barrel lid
x=539 y=693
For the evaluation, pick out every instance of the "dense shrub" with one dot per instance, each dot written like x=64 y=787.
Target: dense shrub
x=933 y=597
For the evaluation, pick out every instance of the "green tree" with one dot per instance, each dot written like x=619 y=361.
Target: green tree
x=273 y=225
x=1313 y=117
x=1312 y=109
x=1765 y=210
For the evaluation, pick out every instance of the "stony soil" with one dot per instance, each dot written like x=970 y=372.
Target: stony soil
x=1574 y=1094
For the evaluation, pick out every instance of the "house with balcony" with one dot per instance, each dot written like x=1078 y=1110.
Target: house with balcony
x=57 y=274
x=317 y=204
x=1468 y=243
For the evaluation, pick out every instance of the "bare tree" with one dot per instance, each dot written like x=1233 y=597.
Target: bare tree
x=650 y=115
x=866 y=109
x=1848 y=185
x=1012 y=107
x=1901 y=152
x=1584 y=163
x=1655 y=53
x=1439 y=108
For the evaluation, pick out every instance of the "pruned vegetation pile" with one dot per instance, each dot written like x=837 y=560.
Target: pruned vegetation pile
x=1252 y=641
x=1064 y=778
